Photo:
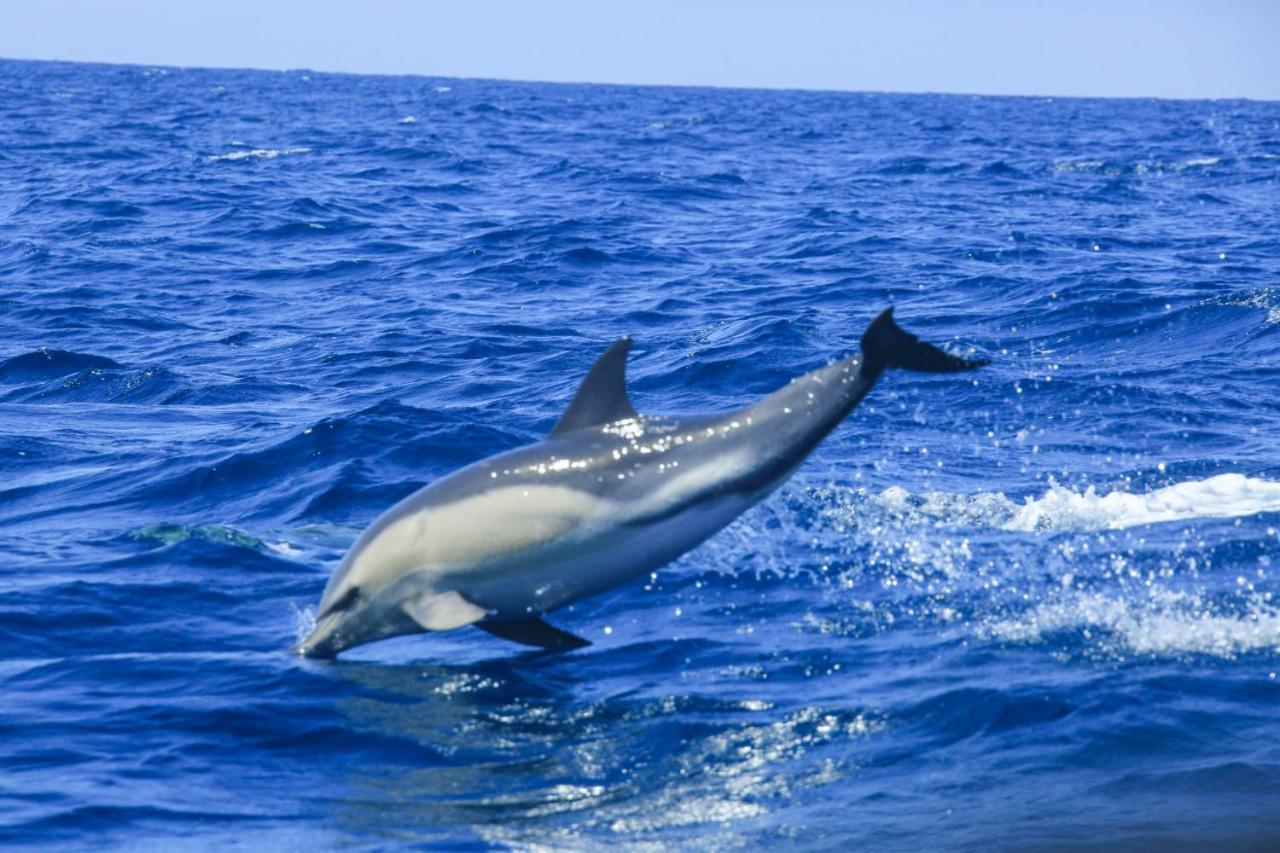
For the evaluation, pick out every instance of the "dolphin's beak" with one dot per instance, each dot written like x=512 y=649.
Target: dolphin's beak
x=325 y=641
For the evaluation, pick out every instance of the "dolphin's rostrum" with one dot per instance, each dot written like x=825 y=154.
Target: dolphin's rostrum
x=609 y=495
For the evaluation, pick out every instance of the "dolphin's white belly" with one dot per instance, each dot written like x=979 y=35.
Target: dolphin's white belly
x=603 y=551
x=563 y=544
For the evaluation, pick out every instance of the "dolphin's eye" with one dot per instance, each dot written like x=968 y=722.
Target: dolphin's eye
x=349 y=598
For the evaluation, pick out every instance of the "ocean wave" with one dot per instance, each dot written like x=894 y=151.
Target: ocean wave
x=1221 y=496
x=148 y=384
x=1139 y=167
x=47 y=363
x=257 y=153
x=1157 y=622
x=1264 y=299
x=1060 y=508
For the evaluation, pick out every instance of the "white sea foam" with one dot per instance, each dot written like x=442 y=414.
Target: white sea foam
x=1062 y=509
x=1197 y=161
x=409 y=120
x=1159 y=623
x=1223 y=496
x=263 y=153
x=286 y=549
x=1078 y=165
x=1141 y=167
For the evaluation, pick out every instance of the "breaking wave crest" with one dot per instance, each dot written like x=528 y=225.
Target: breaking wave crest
x=257 y=153
x=1060 y=508
x=1161 y=622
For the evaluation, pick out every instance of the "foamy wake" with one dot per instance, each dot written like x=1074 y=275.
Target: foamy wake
x=1134 y=614
x=1063 y=509
x=263 y=153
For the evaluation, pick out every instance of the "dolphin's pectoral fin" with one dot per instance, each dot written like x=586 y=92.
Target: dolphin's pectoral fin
x=443 y=611
x=534 y=632
x=602 y=396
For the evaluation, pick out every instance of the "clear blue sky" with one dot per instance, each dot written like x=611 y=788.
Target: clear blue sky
x=1170 y=48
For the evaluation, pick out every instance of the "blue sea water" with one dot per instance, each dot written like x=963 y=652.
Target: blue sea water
x=241 y=313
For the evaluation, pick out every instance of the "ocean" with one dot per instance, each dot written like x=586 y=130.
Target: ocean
x=243 y=312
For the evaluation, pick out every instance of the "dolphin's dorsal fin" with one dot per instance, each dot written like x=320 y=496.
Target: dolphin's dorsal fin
x=602 y=397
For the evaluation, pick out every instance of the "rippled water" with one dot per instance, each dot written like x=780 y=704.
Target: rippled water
x=244 y=312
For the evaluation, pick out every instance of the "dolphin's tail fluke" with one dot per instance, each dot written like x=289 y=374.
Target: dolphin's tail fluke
x=885 y=344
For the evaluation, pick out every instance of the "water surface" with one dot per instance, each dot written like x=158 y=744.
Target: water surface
x=243 y=312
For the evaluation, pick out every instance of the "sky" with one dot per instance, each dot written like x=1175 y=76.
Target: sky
x=1120 y=48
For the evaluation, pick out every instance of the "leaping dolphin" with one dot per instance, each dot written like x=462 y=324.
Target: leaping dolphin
x=609 y=495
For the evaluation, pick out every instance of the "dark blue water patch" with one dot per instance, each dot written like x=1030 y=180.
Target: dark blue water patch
x=50 y=364
x=587 y=255
x=236 y=339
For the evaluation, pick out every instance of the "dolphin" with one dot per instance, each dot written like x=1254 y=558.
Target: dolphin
x=608 y=496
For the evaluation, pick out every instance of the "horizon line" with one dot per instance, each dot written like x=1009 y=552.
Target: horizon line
x=617 y=84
